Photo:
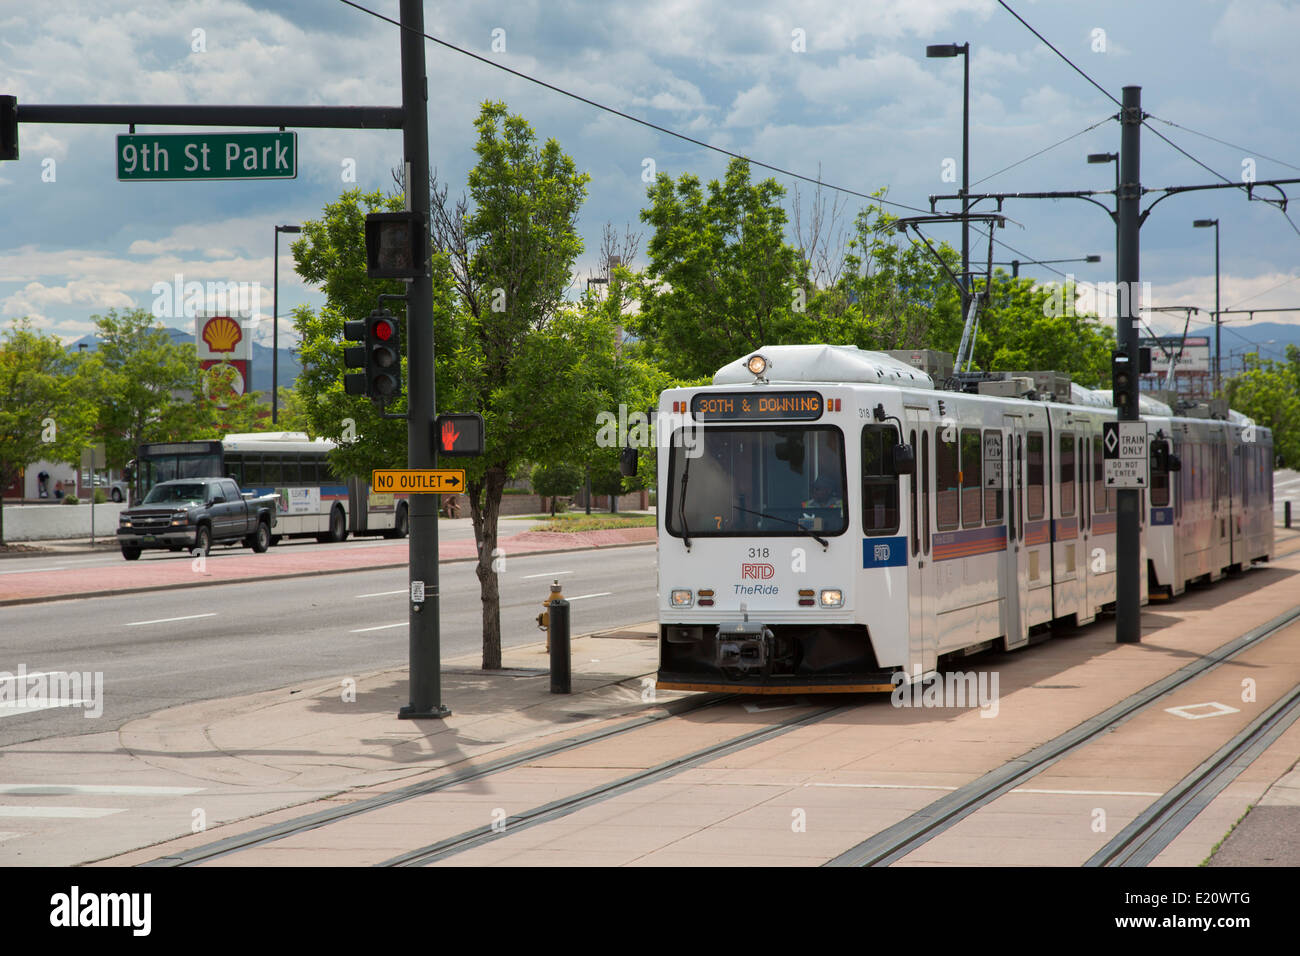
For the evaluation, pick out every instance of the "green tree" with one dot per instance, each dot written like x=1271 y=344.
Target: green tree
x=331 y=253
x=1269 y=392
x=721 y=277
x=45 y=413
x=225 y=411
x=556 y=480
x=146 y=387
x=1027 y=327
x=507 y=342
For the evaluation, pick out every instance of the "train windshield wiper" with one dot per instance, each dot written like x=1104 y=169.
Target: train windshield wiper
x=808 y=531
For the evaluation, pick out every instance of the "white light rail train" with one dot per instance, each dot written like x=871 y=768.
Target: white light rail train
x=829 y=519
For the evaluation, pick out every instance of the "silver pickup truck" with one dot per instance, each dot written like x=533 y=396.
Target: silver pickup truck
x=193 y=514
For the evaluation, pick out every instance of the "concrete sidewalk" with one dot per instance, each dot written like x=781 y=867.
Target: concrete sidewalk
x=250 y=761
x=242 y=565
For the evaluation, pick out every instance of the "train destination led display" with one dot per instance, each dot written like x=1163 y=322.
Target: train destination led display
x=747 y=406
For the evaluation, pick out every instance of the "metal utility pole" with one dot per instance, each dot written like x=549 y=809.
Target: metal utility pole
x=275 y=323
x=1128 y=544
x=425 y=654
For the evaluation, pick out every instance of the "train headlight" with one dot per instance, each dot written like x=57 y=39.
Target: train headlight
x=757 y=365
x=833 y=598
x=682 y=597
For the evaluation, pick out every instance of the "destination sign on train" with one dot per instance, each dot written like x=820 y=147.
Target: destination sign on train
x=430 y=481
x=757 y=406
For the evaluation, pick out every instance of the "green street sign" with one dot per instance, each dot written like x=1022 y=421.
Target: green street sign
x=205 y=156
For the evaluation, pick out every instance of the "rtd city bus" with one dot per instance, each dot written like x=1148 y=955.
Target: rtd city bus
x=314 y=500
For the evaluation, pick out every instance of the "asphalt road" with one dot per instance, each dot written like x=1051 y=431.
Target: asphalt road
x=163 y=648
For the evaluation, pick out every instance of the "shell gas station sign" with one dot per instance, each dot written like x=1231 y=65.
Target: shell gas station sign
x=225 y=353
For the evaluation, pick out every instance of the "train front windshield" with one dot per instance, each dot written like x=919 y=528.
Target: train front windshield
x=734 y=481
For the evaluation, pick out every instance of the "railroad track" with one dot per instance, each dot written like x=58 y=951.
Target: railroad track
x=481 y=836
x=1152 y=831
x=270 y=834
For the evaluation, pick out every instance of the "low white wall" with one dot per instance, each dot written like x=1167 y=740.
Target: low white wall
x=46 y=522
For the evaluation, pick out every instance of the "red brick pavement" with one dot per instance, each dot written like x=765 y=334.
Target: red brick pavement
x=222 y=568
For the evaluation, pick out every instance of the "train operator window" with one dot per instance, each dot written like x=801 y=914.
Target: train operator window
x=1065 y=459
x=879 y=482
x=992 y=482
x=1034 y=462
x=947 y=477
x=971 y=480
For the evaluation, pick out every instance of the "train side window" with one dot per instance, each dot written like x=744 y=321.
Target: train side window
x=1065 y=448
x=992 y=482
x=971 y=478
x=916 y=531
x=253 y=470
x=1009 y=482
x=879 y=483
x=947 y=476
x=925 y=491
x=1159 y=488
x=1081 y=476
x=1098 y=480
x=1034 y=463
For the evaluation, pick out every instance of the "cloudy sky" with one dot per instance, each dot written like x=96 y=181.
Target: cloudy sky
x=840 y=89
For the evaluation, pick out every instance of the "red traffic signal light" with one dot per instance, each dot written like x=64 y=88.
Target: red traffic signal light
x=458 y=435
x=383 y=360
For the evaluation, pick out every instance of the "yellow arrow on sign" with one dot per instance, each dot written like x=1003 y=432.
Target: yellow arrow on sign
x=431 y=481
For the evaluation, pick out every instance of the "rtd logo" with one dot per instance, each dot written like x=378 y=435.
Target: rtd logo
x=759 y=572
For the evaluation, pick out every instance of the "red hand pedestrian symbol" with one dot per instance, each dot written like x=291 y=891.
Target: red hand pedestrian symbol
x=449 y=436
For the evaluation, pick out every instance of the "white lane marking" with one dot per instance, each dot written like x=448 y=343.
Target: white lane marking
x=8 y=835
x=69 y=813
x=548 y=574
x=598 y=594
x=12 y=708
x=381 y=627
x=383 y=593
x=62 y=789
x=1211 y=709
x=35 y=570
x=168 y=620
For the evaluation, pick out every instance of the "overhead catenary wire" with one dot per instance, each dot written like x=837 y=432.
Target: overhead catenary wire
x=1044 y=150
x=671 y=132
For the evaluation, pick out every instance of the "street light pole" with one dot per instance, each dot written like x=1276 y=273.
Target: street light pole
x=950 y=50
x=1205 y=224
x=275 y=323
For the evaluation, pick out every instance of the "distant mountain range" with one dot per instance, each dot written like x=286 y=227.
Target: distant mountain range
x=290 y=366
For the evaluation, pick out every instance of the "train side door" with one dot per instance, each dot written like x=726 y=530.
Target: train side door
x=922 y=607
x=1015 y=560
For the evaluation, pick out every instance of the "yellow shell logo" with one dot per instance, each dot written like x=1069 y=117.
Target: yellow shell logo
x=222 y=334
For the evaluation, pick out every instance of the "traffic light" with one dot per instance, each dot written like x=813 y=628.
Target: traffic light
x=356 y=383
x=8 y=127
x=383 y=357
x=1121 y=379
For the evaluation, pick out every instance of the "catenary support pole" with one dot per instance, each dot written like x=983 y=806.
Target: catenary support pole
x=1128 y=564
